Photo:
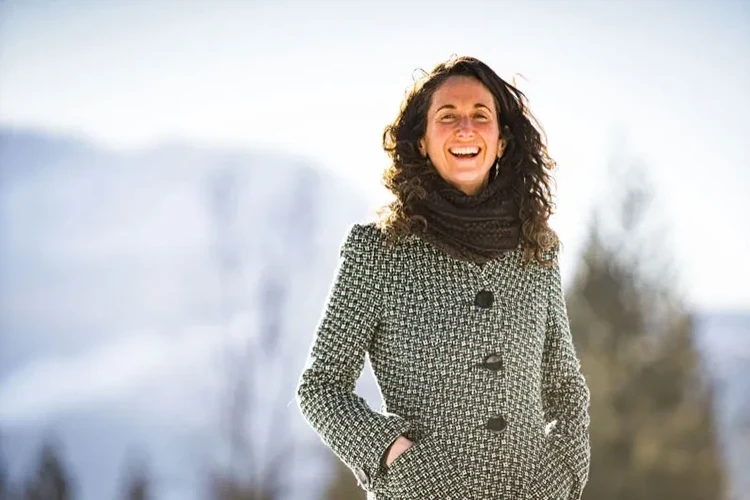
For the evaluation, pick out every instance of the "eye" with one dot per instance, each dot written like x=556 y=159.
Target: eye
x=447 y=117
x=481 y=116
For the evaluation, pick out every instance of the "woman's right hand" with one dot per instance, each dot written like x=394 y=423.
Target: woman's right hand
x=400 y=445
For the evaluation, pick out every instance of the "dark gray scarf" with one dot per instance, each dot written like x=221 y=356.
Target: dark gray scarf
x=474 y=228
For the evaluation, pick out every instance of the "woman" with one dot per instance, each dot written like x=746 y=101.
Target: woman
x=456 y=296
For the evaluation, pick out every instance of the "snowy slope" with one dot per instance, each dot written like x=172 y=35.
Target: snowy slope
x=127 y=280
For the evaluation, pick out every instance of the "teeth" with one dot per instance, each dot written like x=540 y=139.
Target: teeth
x=464 y=151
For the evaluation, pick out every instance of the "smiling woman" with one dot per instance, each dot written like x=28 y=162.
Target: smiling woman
x=456 y=296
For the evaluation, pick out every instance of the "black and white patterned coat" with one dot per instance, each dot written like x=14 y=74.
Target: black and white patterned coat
x=475 y=363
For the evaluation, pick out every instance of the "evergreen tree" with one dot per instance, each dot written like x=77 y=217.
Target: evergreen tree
x=4 y=487
x=653 y=432
x=51 y=480
x=137 y=484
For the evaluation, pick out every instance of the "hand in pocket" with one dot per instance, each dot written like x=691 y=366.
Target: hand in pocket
x=425 y=470
x=399 y=446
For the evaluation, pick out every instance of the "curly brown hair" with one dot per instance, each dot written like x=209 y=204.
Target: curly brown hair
x=524 y=152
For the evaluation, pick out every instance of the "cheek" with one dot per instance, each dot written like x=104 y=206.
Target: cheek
x=436 y=138
x=491 y=138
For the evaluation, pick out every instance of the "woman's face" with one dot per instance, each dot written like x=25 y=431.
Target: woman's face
x=463 y=136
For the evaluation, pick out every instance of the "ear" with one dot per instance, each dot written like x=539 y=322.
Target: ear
x=422 y=147
x=500 y=147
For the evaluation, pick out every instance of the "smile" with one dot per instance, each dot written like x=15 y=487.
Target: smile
x=464 y=152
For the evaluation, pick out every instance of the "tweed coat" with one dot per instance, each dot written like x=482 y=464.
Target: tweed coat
x=475 y=364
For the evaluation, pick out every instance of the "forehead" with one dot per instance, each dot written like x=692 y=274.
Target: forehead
x=463 y=91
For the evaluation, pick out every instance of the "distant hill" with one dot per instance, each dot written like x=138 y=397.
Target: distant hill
x=125 y=279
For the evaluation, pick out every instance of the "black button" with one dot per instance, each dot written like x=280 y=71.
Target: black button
x=497 y=424
x=484 y=299
x=493 y=362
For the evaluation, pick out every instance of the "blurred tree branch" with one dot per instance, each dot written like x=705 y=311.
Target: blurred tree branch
x=257 y=361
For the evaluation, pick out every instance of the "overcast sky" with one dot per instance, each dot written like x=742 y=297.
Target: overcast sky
x=664 y=83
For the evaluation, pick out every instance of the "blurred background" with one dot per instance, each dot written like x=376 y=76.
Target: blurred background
x=176 y=178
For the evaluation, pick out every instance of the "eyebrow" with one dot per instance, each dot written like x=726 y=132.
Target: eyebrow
x=451 y=106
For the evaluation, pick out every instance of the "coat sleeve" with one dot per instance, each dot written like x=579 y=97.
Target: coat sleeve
x=565 y=396
x=358 y=435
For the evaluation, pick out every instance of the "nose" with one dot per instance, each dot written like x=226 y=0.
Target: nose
x=465 y=128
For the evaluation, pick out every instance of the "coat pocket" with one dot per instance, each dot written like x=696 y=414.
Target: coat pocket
x=425 y=470
x=552 y=478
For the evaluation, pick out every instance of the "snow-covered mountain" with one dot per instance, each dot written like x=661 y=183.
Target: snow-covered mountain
x=127 y=280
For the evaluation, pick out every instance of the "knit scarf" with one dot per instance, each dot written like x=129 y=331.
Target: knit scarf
x=476 y=228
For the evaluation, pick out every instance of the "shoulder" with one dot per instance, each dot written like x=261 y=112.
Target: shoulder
x=551 y=255
x=363 y=236
x=363 y=253
x=364 y=239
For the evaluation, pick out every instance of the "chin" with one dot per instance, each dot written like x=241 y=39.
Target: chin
x=469 y=175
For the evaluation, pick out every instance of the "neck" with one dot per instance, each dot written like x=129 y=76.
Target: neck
x=470 y=188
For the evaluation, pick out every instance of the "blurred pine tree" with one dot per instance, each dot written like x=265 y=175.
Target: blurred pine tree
x=51 y=480
x=137 y=484
x=653 y=431
x=4 y=486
